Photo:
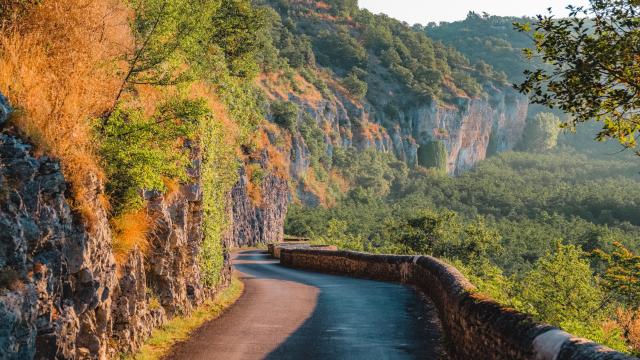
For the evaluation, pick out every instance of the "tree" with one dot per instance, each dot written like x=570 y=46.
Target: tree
x=356 y=87
x=340 y=49
x=622 y=276
x=285 y=114
x=235 y=27
x=427 y=232
x=541 y=133
x=433 y=155
x=171 y=43
x=592 y=69
x=560 y=289
x=140 y=152
x=622 y=279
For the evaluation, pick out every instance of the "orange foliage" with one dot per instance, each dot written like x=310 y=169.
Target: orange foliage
x=323 y=5
x=173 y=189
x=219 y=110
x=372 y=131
x=629 y=323
x=254 y=189
x=339 y=181
x=57 y=66
x=277 y=86
x=279 y=162
x=130 y=231
x=318 y=188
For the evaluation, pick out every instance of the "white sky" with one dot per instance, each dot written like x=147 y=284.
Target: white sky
x=424 y=11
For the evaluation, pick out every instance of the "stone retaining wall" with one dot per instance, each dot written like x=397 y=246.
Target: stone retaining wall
x=475 y=327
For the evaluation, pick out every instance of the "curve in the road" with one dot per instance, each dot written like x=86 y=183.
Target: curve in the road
x=293 y=314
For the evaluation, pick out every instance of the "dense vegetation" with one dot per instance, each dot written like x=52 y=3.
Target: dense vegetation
x=127 y=91
x=488 y=39
x=365 y=49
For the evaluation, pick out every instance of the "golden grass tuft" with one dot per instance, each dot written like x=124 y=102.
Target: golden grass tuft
x=173 y=188
x=58 y=68
x=130 y=231
x=159 y=345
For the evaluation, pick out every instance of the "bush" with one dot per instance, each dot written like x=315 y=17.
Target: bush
x=433 y=155
x=285 y=114
x=140 y=152
x=356 y=87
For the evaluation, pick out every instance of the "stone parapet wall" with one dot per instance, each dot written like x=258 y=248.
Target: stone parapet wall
x=475 y=327
x=274 y=249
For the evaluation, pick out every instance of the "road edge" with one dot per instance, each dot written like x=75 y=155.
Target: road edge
x=179 y=329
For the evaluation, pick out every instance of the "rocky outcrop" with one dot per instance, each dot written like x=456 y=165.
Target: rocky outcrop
x=136 y=312
x=58 y=276
x=471 y=128
x=263 y=222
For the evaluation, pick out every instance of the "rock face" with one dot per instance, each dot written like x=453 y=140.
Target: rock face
x=62 y=294
x=261 y=223
x=471 y=129
x=58 y=277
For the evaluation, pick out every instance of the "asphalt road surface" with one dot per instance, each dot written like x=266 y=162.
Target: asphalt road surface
x=292 y=314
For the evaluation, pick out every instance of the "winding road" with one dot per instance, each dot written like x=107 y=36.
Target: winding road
x=292 y=314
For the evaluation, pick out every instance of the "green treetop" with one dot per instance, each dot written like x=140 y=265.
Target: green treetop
x=592 y=69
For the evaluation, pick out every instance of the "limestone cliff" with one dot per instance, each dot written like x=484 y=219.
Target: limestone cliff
x=471 y=128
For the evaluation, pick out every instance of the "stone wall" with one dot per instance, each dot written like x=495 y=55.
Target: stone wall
x=475 y=327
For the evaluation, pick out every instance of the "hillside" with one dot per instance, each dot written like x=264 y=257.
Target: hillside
x=488 y=39
x=339 y=78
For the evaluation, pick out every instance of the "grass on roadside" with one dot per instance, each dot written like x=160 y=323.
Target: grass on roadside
x=180 y=328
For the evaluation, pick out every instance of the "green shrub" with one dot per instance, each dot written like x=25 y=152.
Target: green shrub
x=139 y=152
x=433 y=155
x=285 y=114
x=356 y=87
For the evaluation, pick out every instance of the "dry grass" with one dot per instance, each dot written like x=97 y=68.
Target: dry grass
x=254 y=189
x=57 y=66
x=277 y=86
x=173 y=189
x=372 y=131
x=180 y=328
x=318 y=188
x=339 y=181
x=130 y=231
x=220 y=112
x=278 y=152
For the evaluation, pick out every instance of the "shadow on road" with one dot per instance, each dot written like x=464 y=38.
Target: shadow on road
x=353 y=318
